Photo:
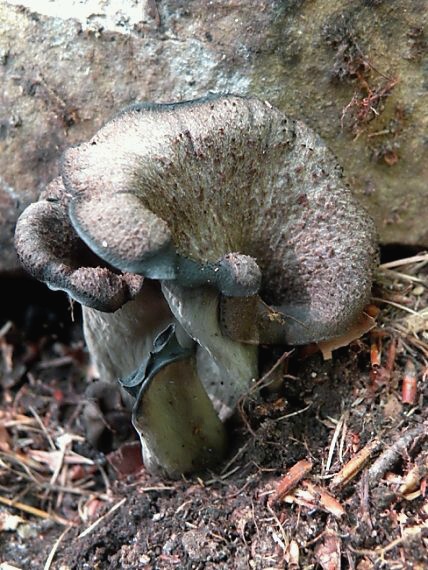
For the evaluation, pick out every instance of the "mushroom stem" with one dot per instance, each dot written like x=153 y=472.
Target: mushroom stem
x=179 y=429
x=197 y=310
x=177 y=423
x=118 y=342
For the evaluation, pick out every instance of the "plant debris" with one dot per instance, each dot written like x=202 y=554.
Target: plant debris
x=327 y=470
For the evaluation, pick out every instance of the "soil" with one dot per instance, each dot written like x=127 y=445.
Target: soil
x=327 y=466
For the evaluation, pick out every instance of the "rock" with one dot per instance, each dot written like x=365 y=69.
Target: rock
x=351 y=70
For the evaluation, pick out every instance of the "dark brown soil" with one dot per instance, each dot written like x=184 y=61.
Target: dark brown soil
x=80 y=508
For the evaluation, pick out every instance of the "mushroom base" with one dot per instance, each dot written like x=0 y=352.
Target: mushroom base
x=179 y=429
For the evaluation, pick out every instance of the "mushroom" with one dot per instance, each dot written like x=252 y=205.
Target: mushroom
x=218 y=217
x=125 y=317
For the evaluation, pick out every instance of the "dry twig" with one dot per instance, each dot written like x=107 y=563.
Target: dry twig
x=34 y=511
x=393 y=452
x=102 y=518
x=54 y=548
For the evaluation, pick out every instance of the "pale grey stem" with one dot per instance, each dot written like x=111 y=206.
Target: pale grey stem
x=234 y=363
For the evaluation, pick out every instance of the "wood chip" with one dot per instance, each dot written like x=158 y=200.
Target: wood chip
x=355 y=465
x=315 y=497
x=413 y=479
x=292 y=478
x=325 y=500
x=409 y=387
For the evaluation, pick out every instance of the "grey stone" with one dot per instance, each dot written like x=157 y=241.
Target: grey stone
x=353 y=71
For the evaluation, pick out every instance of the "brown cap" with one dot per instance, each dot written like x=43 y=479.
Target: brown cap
x=225 y=191
x=51 y=251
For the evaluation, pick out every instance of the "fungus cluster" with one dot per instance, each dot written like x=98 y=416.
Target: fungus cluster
x=191 y=233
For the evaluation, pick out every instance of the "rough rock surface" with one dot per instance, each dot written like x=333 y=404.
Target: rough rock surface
x=351 y=70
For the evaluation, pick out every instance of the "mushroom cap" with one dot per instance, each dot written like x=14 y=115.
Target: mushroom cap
x=228 y=191
x=223 y=174
x=50 y=249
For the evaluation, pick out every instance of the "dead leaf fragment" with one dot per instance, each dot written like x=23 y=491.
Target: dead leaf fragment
x=364 y=324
